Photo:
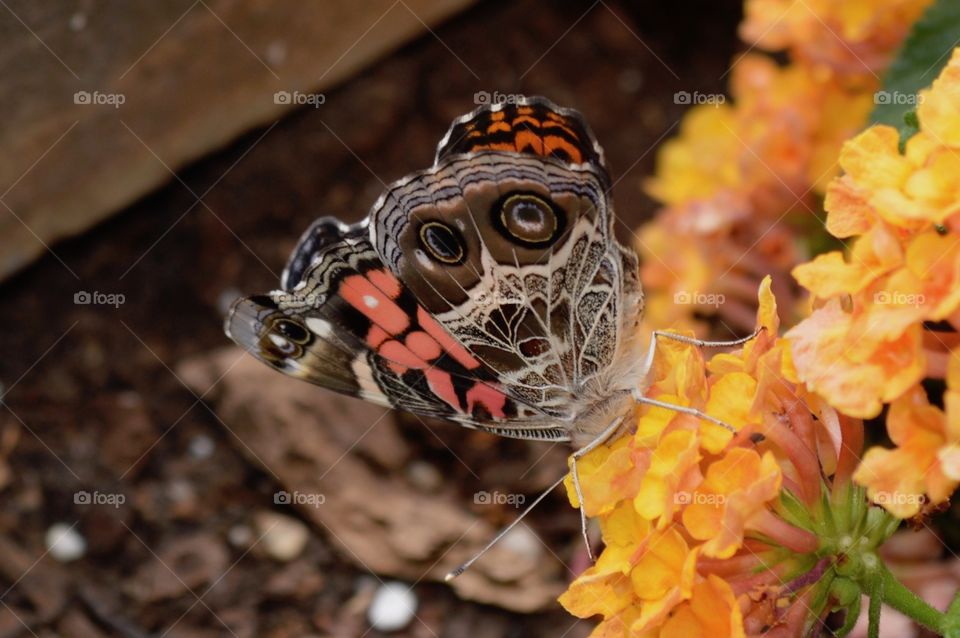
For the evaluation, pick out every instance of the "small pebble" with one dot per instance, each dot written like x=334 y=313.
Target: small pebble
x=276 y=52
x=283 y=537
x=65 y=543
x=393 y=607
x=424 y=476
x=523 y=541
x=78 y=21
x=240 y=536
x=180 y=491
x=201 y=447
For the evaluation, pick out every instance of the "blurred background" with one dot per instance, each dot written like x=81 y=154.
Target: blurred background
x=161 y=159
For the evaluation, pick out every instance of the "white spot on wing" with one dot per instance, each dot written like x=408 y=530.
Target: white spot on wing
x=319 y=327
x=370 y=301
x=278 y=341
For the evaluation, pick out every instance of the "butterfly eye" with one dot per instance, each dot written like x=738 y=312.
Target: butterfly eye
x=442 y=243
x=529 y=220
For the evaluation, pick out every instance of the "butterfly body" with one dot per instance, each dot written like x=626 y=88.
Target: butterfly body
x=488 y=289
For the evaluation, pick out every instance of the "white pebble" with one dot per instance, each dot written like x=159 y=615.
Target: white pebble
x=523 y=541
x=65 y=543
x=240 y=536
x=78 y=21
x=276 y=52
x=201 y=447
x=284 y=538
x=393 y=607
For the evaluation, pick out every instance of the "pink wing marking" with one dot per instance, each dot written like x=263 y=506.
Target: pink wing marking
x=448 y=343
x=488 y=396
x=360 y=293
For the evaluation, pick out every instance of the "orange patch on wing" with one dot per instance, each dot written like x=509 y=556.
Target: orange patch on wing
x=523 y=119
x=423 y=345
x=495 y=146
x=560 y=124
x=498 y=126
x=360 y=293
x=400 y=358
x=442 y=385
x=491 y=398
x=529 y=139
x=448 y=343
x=386 y=282
x=552 y=143
x=376 y=336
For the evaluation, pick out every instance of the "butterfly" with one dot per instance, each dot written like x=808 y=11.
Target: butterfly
x=488 y=290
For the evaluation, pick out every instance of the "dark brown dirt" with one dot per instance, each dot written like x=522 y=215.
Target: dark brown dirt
x=95 y=403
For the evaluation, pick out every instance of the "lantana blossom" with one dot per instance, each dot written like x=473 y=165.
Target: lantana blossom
x=741 y=182
x=885 y=310
x=710 y=530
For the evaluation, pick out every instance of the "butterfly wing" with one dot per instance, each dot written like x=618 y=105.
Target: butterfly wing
x=488 y=289
x=349 y=325
x=510 y=246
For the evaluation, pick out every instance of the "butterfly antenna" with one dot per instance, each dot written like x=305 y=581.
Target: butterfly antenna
x=506 y=530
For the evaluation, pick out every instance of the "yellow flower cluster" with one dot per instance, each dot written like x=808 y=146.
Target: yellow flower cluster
x=740 y=178
x=865 y=343
x=700 y=524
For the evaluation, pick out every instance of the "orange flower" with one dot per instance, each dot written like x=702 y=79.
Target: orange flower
x=863 y=344
x=733 y=496
x=692 y=515
x=742 y=176
x=856 y=372
x=711 y=611
x=925 y=465
x=852 y=37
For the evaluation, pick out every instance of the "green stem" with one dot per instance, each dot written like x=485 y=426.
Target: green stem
x=875 y=591
x=883 y=587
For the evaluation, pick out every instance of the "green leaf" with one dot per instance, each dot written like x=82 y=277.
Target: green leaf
x=918 y=62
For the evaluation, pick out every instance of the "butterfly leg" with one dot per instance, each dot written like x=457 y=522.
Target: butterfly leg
x=700 y=414
x=603 y=436
x=586 y=449
x=496 y=539
x=700 y=343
